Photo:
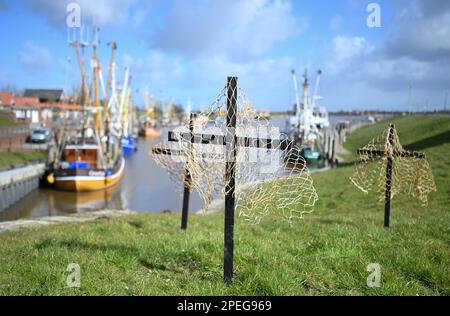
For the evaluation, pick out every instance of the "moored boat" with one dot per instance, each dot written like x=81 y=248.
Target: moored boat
x=82 y=168
x=148 y=130
x=307 y=125
x=151 y=132
x=148 y=122
x=90 y=158
x=128 y=144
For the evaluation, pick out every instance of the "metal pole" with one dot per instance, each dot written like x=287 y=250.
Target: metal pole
x=187 y=180
x=387 y=202
x=185 y=212
x=230 y=180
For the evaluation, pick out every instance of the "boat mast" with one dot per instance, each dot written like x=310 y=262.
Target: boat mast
x=124 y=93
x=84 y=87
x=316 y=89
x=95 y=66
x=108 y=86
x=188 y=109
x=297 y=98
x=126 y=110
x=154 y=107
x=306 y=117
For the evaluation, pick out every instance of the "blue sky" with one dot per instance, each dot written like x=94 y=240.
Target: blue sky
x=185 y=49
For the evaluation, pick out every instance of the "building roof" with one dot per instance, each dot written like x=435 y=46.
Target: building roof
x=34 y=102
x=27 y=101
x=44 y=95
x=6 y=98
x=74 y=107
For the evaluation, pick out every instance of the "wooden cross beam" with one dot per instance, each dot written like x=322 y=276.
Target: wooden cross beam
x=395 y=153
x=389 y=155
x=221 y=140
x=167 y=151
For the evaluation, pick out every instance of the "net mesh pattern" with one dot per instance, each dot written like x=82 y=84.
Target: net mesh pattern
x=411 y=173
x=270 y=175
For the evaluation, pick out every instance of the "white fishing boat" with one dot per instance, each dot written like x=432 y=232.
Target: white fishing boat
x=308 y=121
x=308 y=112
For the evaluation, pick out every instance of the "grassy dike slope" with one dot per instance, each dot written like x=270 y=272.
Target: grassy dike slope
x=4 y=122
x=327 y=253
x=8 y=159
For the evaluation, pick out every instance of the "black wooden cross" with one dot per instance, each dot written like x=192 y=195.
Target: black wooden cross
x=232 y=142
x=389 y=155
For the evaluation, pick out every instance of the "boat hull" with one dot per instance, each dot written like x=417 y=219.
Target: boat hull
x=151 y=132
x=128 y=149
x=128 y=145
x=88 y=180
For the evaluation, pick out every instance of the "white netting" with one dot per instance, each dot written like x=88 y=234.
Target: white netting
x=271 y=177
x=411 y=173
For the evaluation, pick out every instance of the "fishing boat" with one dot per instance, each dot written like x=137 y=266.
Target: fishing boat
x=307 y=123
x=90 y=158
x=82 y=167
x=128 y=144
x=150 y=131
x=127 y=115
x=148 y=123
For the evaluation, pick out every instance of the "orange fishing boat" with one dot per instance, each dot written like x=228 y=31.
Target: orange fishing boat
x=149 y=131
x=82 y=168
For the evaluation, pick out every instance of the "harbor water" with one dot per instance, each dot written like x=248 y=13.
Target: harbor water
x=145 y=187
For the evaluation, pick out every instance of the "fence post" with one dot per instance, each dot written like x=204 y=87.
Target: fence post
x=187 y=179
x=387 y=202
x=230 y=180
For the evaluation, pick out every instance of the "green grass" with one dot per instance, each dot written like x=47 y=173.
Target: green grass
x=4 y=122
x=416 y=132
x=327 y=253
x=17 y=158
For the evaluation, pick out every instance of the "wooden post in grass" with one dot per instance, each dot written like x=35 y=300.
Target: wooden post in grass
x=187 y=179
x=387 y=201
x=230 y=168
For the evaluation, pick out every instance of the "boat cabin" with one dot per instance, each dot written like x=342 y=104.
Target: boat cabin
x=80 y=157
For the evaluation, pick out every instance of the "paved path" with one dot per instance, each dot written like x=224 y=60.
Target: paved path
x=52 y=220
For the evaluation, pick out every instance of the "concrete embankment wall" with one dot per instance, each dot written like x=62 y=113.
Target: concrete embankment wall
x=16 y=183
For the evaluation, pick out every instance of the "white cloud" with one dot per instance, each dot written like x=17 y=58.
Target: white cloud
x=415 y=53
x=422 y=31
x=344 y=50
x=237 y=28
x=156 y=70
x=35 y=57
x=200 y=79
x=266 y=81
x=404 y=68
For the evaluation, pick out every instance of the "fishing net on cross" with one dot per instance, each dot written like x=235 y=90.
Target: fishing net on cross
x=411 y=173
x=270 y=175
